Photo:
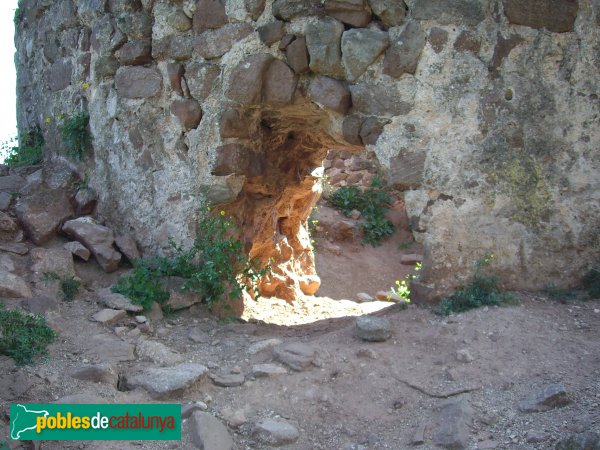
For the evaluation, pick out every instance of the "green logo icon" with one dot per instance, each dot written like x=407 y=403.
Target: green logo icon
x=95 y=422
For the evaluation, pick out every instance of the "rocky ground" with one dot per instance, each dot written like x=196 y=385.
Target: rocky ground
x=307 y=375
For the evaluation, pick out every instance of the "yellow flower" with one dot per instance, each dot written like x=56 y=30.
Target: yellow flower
x=48 y=119
x=85 y=85
x=222 y=213
x=59 y=117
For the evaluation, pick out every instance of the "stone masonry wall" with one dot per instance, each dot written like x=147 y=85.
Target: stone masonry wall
x=484 y=112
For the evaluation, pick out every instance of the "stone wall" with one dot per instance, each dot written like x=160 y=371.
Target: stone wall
x=485 y=112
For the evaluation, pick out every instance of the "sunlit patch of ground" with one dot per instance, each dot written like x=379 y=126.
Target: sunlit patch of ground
x=306 y=310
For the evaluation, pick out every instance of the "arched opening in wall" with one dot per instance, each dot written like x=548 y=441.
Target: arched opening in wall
x=284 y=220
x=353 y=253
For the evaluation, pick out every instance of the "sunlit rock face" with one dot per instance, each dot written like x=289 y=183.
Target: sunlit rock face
x=484 y=112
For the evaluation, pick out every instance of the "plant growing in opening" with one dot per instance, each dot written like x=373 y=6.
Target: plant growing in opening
x=76 y=135
x=372 y=203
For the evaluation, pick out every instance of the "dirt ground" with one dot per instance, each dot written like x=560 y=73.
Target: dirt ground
x=356 y=394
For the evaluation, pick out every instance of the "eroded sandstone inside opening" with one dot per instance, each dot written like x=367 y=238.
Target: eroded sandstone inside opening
x=282 y=186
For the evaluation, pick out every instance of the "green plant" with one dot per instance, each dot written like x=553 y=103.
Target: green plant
x=50 y=277
x=376 y=229
x=402 y=288
x=69 y=286
x=76 y=135
x=558 y=294
x=372 y=203
x=483 y=290
x=142 y=286
x=215 y=266
x=591 y=282
x=405 y=245
x=346 y=199
x=23 y=337
x=18 y=16
x=27 y=151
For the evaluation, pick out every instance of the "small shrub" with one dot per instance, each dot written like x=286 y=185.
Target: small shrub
x=591 y=282
x=142 y=286
x=376 y=229
x=24 y=337
x=372 y=203
x=18 y=15
x=405 y=245
x=347 y=198
x=483 y=290
x=76 y=135
x=215 y=266
x=558 y=294
x=69 y=286
x=27 y=152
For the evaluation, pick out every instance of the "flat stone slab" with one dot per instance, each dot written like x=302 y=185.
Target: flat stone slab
x=80 y=398
x=363 y=297
x=275 y=432
x=259 y=346
x=411 y=259
x=97 y=373
x=42 y=212
x=161 y=382
x=108 y=316
x=107 y=349
x=55 y=260
x=296 y=355
x=13 y=286
x=198 y=336
x=117 y=301
x=11 y=183
x=373 y=329
x=187 y=409
x=227 y=379
x=96 y=238
x=12 y=247
x=553 y=396
x=157 y=352
x=78 y=249
x=267 y=370
x=208 y=432
x=452 y=424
